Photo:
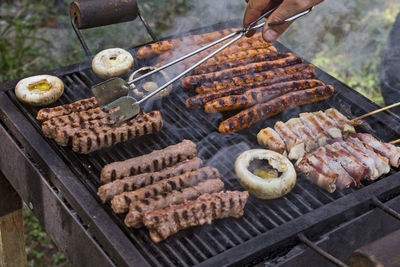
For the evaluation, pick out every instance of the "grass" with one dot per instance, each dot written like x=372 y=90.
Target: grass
x=345 y=38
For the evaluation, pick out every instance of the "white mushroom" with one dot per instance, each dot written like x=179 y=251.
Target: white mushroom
x=150 y=86
x=39 y=90
x=112 y=62
x=272 y=185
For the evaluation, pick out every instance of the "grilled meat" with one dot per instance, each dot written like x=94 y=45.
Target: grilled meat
x=318 y=172
x=344 y=123
x=135 y=215
x=208 y=207
x=309 y=139
x=271 y=139
x=158 y=48
x=294 y=143
x=387 y=150
x=241 y=62
x=91 y=139
x=81 y=105
x=74 y=118
x=262 y=111
x=235 y=56
x=155 y=161
x=351 y=164
x=191 y=81
x=348 y=160
x=258 y=95
x=267 y=77
x=108 y=191
x=199 y=100
x=120 y=203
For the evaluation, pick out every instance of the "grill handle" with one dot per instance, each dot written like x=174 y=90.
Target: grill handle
x=86 y=14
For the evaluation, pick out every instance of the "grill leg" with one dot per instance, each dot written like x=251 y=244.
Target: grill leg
x=12 y=242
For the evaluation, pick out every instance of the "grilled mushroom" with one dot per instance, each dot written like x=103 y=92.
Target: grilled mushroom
x=112 y=62
x=269 y=182
x=150 y=84
x=39 y=90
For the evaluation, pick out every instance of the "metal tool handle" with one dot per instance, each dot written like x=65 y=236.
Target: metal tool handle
x=240 y=34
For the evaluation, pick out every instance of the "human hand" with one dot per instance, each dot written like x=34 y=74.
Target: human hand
x=285 y=9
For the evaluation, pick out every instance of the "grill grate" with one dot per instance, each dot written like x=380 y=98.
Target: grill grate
x=195 y=245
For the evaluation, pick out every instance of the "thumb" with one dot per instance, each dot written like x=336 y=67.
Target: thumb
x=284 y=11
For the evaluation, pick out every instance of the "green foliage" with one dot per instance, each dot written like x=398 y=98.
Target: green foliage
x=41 y=250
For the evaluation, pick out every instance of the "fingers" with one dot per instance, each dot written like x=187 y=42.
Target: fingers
x=287 y=9
x=254 y=9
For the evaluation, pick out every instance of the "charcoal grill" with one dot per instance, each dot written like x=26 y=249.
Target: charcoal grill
x=60 y=186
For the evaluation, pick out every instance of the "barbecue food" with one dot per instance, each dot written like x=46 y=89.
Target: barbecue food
x=248 y=78
x=91 y=139
x=155 y=161
x=265 y=187
x=39 y=90
x=348 y=161
x=80 y=105
x=150 y=85
x=242 y=62
x=72 y=120
x=163 y=223
x=262 y=111
x=239 y=46
x=199 y=100
x=108 y=191
x=258 y=95
x=158 y=48
x=135 y=214
x=112 y=62
x=256 y=67
x=387 y=150
x=306 y=133
x=235 y=56
x=120 y=203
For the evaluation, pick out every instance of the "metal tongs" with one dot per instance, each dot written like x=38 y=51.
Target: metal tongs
x=114 y=92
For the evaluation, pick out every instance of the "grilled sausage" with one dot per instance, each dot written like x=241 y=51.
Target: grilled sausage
x=135 y=215
x=235 y=56
x=154 y=161
x=120 y=203
x=258 y=95
x=194 y=80
x=108 y=191
x=258 y=112
x=64 y=134
x=158 y=48
x=208 y=207
x=80 y=105
x=49 y=127
x=241 y=62
x=89 y=140
x=199 y=100
x=264 y=76
x=241 y=45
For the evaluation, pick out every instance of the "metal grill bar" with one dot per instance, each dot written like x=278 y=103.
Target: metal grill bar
x=320 y=251
x=385 y=208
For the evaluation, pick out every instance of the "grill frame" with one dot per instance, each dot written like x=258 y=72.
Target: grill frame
x=101 y=224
